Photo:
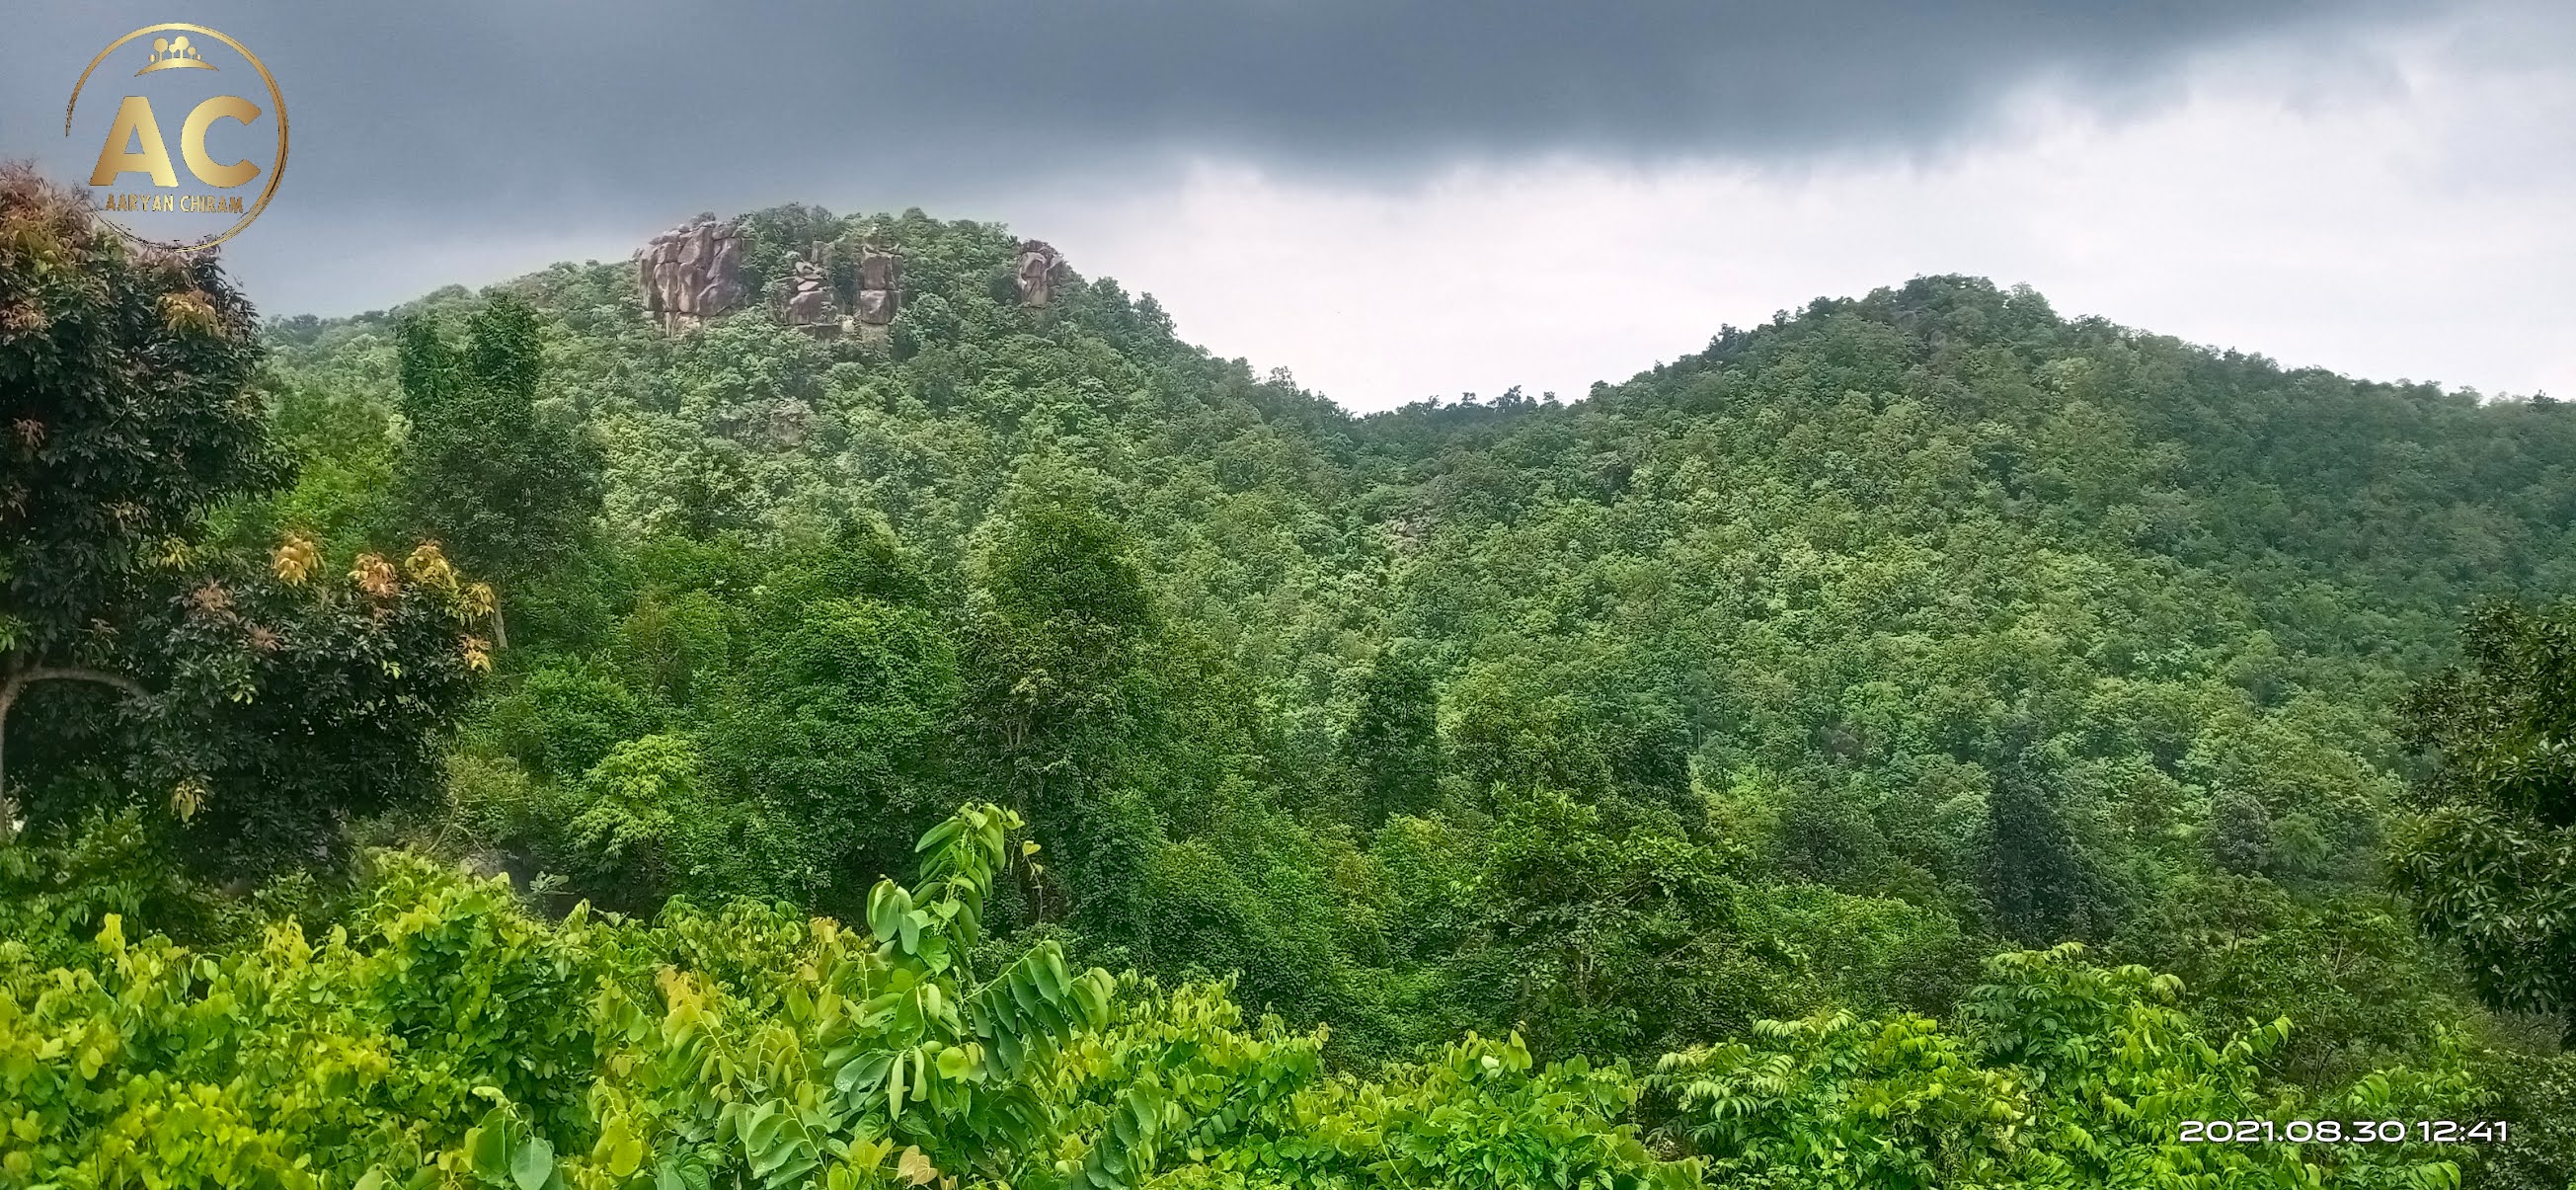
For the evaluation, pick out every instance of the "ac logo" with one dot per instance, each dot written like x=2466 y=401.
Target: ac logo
x=225 y=141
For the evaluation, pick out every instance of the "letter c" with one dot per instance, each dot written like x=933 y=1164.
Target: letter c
x=192 y=140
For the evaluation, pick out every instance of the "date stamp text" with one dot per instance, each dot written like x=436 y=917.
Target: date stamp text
x=2342 y=1132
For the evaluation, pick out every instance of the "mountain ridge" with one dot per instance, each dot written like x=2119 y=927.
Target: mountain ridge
x=1851 y=589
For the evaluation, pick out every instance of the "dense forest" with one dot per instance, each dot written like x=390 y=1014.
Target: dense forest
x=1922 y=741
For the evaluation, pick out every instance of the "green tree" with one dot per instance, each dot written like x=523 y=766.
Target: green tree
x=507 y=489
x=2035 y=873
x=109 y=456
x=1580 y=725
x=2490 y=862
x=2060 y=1073
x=1393 y=742
x=826 y=740
x=1059 y=619
x=2364 y=990
x=2240 y=833
x=260 y=698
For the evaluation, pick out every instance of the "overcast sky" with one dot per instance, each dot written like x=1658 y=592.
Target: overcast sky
x=1401 y=200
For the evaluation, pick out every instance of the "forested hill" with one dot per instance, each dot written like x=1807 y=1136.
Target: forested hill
x=1847 y=586
x=2006 y=623
x=2353 y=516
x=1784 y=708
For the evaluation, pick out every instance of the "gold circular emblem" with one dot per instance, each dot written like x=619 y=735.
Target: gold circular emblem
x=134 y=143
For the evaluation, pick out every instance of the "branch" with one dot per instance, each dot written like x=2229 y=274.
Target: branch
x=10 y=688
x=67 y=673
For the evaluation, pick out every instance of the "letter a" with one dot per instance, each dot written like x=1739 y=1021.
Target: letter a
x=134 y=122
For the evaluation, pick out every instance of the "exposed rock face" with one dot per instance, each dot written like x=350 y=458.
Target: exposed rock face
x=805 y=299
x=691 y=273
x=880 y=285
x=876 y=307
x=879 y=268
x=1036 y=272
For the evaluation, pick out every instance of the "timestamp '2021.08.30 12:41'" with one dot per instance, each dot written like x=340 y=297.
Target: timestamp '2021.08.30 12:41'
x=2439 y=1132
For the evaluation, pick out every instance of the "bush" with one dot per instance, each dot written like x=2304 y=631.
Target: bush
x=444 y=1037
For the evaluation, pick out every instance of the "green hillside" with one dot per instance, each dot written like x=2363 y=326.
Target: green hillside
x=1830 y=676
x=1806 y=605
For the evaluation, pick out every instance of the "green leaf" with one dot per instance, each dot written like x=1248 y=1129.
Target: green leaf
x=861 y=1074
x=625 y=1156
x=487 y=1146
x=886 y=906
x=533 y=1164
x=1023 y=989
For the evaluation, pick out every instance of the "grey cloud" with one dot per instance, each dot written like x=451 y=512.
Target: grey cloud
x=556 y=119
x=517 y=98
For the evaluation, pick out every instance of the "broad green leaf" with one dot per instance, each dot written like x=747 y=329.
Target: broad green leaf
x=488 y=1147
x=626 y=1156
x=532 y=1163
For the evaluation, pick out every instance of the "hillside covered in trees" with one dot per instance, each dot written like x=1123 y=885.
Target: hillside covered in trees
x=1925 y=740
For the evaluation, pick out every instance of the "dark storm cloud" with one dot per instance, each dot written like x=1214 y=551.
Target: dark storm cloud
x=433 y=103
x=542 y=118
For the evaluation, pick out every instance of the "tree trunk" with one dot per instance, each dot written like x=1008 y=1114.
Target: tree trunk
x=16 y=683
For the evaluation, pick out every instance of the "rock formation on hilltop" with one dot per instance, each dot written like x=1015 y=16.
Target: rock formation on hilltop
x=805 y=297
x=880 y=284
x=1035 y=272
x=691 y=273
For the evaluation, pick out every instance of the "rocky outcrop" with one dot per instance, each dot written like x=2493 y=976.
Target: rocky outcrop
x=805 y=297
x=691 y=273
x=1035 y=272
x=880 y=285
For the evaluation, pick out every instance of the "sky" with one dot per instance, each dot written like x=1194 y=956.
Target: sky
x=1396 y=201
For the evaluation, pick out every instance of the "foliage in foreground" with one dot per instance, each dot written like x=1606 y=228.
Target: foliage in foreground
x=443 y=1037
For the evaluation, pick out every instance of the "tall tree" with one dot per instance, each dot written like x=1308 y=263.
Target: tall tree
x=1393 y=745
x=1059 y=620
x=2034 y=872
x=261 y=701
x=2490 y=862
x=826 y=734
x=507 y=490
x=1060 y=616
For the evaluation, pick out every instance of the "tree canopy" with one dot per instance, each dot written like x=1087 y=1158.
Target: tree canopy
x=2490 y=863
x=260 y=698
